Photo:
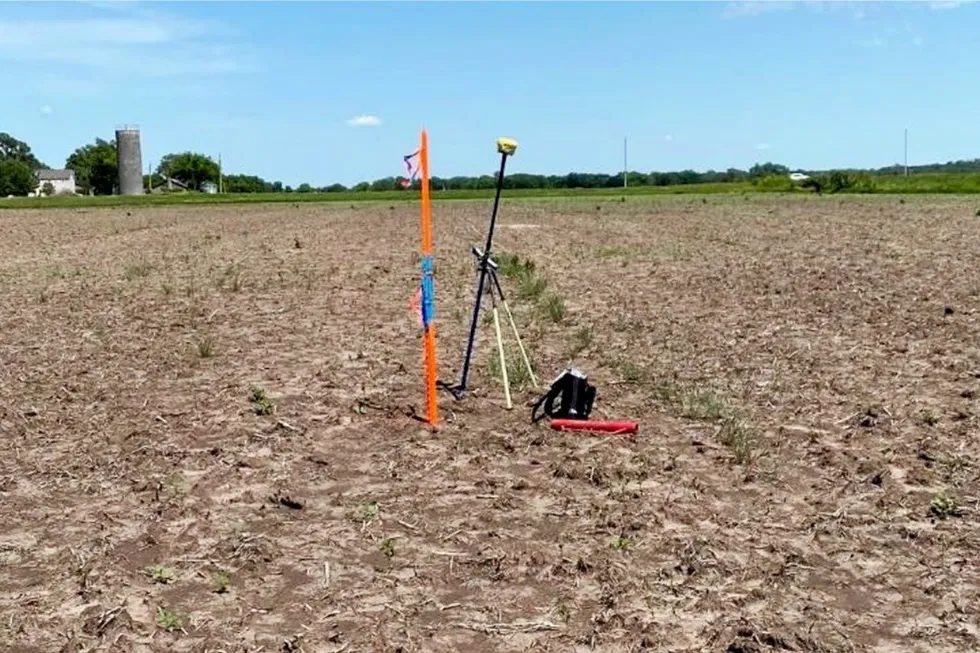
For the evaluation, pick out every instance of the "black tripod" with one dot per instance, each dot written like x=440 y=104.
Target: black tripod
x=486 y=267
x=497 y=292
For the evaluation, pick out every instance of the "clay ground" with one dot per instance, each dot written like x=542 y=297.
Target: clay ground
x=207 y=441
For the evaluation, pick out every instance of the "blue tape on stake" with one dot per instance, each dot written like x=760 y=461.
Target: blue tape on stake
x=428 y=291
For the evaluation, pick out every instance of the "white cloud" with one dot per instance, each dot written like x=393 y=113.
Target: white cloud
x=113 y=5
x=858 y=10
x=762 y=146
x=875 y=42
x=129 y=40
x=364 y=121
x=110 y=31
x=46 y=110
x=48 y=85
x=948 y=4
x=669 y=137
x=735 y=9
x=211 y=122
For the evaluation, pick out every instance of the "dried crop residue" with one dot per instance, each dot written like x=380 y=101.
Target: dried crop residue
x=208 y=440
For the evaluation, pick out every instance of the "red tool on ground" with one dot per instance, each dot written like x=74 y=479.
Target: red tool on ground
x=612 y=427
x=574 y=396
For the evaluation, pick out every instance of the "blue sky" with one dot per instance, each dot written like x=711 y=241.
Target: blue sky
x=335 y=92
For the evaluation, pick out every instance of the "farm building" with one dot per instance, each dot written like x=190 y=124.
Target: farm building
x=159 y=184
x=62 y=181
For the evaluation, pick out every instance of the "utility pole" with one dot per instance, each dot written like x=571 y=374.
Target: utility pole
x=625 y=166
x=906 y=151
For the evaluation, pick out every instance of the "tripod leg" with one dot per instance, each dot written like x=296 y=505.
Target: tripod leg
x=503 y=360
x=520 y=345
x=513 y=325
x=464 y=375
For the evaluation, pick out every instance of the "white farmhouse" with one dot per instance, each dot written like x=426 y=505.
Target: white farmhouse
x=798 y=176
x=63 y=181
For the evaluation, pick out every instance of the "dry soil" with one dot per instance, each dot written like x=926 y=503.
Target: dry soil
x=209 y=443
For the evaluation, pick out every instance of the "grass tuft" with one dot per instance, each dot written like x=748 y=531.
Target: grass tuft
x=613 y=251
x=555 y=307
x=667 y=392
x=161 y=574
x=512 y=267
x=524 y=271
x=531 y=287
x=623 y=543
x=205 y=347
x=944 y=506
x=387 y=547
x=517 y=374
x=222 y=581
x=672 y=252
x=366 y=512
x=261 y=404
x=703 y=405
x=736 y=436
x=169 y=620
x=232 y=278
x=61 y=273
x=581 y=341
x=138 y=270
x=632 y=372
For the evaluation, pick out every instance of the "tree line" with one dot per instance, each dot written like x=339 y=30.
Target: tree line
x=97 y=172
x=96 y=168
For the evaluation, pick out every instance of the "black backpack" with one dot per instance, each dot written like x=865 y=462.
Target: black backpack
x=575 y=393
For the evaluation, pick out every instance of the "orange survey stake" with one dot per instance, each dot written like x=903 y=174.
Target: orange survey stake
x=428 y=290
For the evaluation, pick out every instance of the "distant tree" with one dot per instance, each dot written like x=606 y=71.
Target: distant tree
x=662 y=178
x=774 y=184
x=767 y=169
x=189 y=168
x=304 y=188
x=96 y=167
x=838 y=181
x=734 y=174
x=462 y=183
x=12 y=149
x=385 y=183
x=813 y=183
x=16 y=177
x=246 y=184
x=363 y=186
x=688 y=177
x=485 y=182
x=47 y=189
x=335 y=188
x=523 y=181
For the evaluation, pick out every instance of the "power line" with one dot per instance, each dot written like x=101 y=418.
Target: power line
x=906 y=151
x=625 y=166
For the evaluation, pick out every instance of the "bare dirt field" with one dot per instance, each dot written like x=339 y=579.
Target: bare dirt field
x=208 y=443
